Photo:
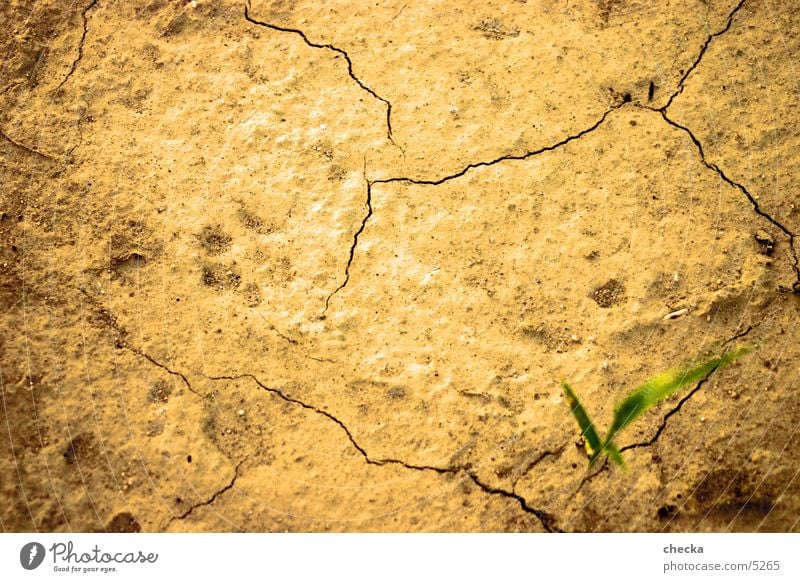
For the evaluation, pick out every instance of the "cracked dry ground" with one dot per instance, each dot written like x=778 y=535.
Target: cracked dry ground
x=306 y=266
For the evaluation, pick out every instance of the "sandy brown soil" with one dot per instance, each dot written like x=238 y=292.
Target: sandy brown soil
x=321 y=266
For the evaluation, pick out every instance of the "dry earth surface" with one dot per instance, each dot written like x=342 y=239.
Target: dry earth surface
x=320 y=266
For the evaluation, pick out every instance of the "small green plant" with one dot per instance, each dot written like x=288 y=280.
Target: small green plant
x=641 y=400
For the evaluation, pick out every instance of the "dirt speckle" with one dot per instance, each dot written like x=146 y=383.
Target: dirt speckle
x=214 y=240
x=220 y=278
x=80 y=449
x=610 y=293
x=123 y=523
x=336 y=173
x=495 y=29
x=122 y=264
x=160 y=392
x=766 y=242
x=666 y=512
x=252 y=295
x=396 y=393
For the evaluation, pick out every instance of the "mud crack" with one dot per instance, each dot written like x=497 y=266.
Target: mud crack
x=528 y=467
x=213 y=497
x=756 y=208
x=712 y=166
x=163 y=367
x=380 y=462
x=509 y=157
x=355 y=243
x=79 y=56
x=702 y=53
x=336 y=50
x=121 y=342
x=444 y=179
x=591 y=475
x=547 y=520
x=23 y=147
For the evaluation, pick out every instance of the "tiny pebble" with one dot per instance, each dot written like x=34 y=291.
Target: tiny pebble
x=676 y=314
x=241 y=412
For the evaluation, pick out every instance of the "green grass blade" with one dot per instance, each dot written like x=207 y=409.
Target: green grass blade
x=591 y=439
x=664 y=385
x=613 y=452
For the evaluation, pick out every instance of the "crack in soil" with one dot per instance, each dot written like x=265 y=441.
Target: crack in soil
x=444 y=179
x=703 y=50
x=79 y=56
x=211 y=499
x=22 y=146
x=379 y=462
x=663 y=111
x=355 y=243
x=547 y=520
x=589 y=476
x=335 y=49
x=155 y=362
x=121 y=341
x=756 y=208
x=11 y=86
x=557 y=452
x=294 y=342
x=70 y=153
x=508 y=157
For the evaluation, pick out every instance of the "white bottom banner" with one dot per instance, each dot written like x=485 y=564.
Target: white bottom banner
x=379 y=557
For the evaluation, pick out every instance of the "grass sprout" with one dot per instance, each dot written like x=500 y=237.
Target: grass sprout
x=645 y=397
